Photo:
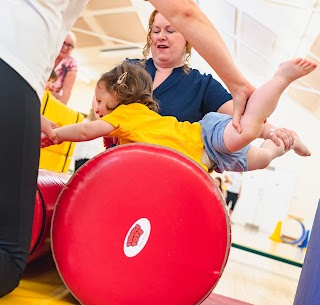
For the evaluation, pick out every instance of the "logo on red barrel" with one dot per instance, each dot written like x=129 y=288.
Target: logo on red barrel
x=137 y=237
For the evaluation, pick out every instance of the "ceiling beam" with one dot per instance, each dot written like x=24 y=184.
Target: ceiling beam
x=108 y=38
x=110 y=11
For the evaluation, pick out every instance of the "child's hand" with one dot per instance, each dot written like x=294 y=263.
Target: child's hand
x=45 y=140
x=47 y=129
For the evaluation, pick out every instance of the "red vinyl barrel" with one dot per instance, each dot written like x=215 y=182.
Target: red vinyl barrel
x=140 y=225
x=49 y=186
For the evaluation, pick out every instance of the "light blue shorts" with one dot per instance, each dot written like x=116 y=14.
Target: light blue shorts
x=213 y=125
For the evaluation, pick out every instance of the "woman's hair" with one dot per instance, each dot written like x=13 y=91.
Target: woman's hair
x=130 y=83
x=146 y=48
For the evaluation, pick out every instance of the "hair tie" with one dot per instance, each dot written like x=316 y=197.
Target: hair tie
x=121 y=78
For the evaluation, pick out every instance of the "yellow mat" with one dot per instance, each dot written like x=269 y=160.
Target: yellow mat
x=41 y=285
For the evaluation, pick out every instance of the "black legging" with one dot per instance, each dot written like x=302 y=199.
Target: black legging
x=233 y=198
x=19 y=155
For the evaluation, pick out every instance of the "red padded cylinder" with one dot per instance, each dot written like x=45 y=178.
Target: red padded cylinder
x=49 y=186
x=140 y=225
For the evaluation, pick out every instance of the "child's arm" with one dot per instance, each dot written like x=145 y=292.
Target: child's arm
x=227 y=180
x=79 y=132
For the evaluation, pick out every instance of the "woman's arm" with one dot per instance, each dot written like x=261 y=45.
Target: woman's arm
x=188 y=19
x=67 y=87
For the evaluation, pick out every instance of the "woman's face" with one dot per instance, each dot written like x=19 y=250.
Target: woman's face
x=67 y=47
x=168 y=45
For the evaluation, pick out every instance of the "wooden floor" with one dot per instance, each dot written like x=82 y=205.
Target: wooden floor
x=256 y=279
x=247 y=277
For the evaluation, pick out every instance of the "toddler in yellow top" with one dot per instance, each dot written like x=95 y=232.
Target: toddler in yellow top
x=127 y=110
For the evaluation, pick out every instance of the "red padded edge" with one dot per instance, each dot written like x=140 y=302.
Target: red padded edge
x=95 y=223
x=49 y=186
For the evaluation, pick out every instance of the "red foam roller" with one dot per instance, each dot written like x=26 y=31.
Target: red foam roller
x=49 y=186
x=140 y=225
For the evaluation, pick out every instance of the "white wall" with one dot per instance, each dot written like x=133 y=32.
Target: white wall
x=81 y=97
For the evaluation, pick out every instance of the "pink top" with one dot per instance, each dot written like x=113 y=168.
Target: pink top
x=67 y=64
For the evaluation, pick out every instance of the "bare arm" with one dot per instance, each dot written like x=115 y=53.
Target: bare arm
x=83 y=131
x=79 y=132
x=67 y=87
x=186 y=16
x=227 y=180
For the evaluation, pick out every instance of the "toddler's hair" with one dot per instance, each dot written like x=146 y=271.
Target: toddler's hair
x=130 y=83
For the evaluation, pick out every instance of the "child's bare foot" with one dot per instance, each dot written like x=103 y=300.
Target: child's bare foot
x=240 y=98
x=298 y=147
x=291 y=70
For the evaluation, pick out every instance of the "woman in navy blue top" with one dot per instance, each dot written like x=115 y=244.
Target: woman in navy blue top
x=184 y=92
x=190 y=96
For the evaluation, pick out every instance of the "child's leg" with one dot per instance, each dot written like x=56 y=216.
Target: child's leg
x=263 y=102
x=260 y=157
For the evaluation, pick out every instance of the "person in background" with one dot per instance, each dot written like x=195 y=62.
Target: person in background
x=218 y=182
x=53 y=77
x=66 y=68
x=84 y=151
x=233 y=181
x=184 y=92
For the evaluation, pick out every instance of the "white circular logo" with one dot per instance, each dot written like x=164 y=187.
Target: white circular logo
x=137 y=237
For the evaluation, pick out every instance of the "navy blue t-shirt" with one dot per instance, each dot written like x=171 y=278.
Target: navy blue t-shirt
x=190 y=96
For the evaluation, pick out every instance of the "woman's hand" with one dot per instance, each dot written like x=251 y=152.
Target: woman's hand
x=47 y=129
x=45 y=141
x=240 y=97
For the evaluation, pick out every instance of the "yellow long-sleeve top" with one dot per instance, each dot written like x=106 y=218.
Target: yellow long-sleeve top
x=137 y=123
